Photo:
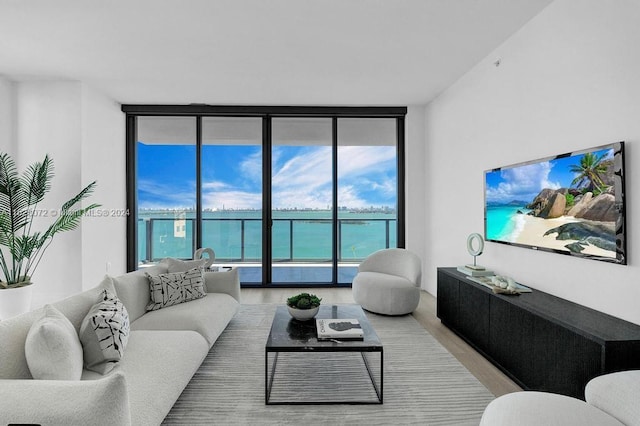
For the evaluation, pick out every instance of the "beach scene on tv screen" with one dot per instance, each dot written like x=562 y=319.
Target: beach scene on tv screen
x=565 y=204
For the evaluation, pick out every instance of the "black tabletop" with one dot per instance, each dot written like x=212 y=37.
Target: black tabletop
x=288 y=334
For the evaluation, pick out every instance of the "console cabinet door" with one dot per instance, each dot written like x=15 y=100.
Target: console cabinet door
x=447 y=300
x=563 y=360
x=510 y=340
x=473 y=315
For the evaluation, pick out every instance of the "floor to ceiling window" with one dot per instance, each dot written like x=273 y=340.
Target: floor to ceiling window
x=288 y=195
x=166 y=187
x=302 y=200
x=231 y=188
x=367 y=188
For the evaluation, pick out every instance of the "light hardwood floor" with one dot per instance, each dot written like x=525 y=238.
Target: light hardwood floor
x=487 y=374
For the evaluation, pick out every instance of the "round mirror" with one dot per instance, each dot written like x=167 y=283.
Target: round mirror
x=475 y=244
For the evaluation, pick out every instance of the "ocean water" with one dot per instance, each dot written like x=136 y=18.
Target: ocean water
x=237 y=235
x=503 y=222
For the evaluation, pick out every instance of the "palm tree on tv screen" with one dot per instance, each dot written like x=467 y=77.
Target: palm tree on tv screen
x=589 y=171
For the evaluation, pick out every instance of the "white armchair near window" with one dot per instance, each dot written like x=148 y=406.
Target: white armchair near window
x=388 y=282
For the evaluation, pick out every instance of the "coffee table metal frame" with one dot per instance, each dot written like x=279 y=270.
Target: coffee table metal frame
x=289 y=335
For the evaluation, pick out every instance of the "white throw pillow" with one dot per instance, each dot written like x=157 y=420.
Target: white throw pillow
x=104 y=333
x=174 y=288
x=52 y=347
x=178 y=265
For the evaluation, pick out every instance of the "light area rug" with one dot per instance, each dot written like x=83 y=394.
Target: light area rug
x=423 y=383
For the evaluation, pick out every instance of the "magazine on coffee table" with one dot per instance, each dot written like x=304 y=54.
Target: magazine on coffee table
x=339 y=329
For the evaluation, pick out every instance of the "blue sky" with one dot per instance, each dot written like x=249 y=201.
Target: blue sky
x=232 y=176
x=523 y=183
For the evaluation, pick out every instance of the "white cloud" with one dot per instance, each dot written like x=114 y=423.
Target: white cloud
x=251 y=167
x=522 y=183
x=165 y=195
x=214 y=185
x=305 y=179
x=229 y=198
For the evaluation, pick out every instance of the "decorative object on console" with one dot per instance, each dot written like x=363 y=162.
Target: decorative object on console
x=211 y=256
x=475 y=247
x=577 y=207
x=501 y=284
x=20 y=196
x=303 y=306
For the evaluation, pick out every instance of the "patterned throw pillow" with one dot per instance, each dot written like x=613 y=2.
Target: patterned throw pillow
x=104 y=333
x=175 y=287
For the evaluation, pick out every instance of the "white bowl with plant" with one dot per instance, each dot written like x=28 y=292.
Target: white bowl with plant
x=303 y=306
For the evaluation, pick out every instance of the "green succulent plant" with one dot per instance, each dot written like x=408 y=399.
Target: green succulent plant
x=304 y=301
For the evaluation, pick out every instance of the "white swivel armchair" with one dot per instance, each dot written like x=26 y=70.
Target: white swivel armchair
x=388 y=282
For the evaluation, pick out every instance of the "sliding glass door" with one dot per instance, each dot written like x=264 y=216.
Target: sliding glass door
x=302 y=200
x=288 y=196
x=367 y=190
x=166 y=188
x=231 y=192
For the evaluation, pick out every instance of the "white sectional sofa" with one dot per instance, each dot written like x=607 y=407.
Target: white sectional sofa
x=165 y=348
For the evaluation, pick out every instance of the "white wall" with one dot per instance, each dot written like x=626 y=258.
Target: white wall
x=567 y=80
x=48 y=122
x=103 y=160
x=83 y=132
x=7 y=121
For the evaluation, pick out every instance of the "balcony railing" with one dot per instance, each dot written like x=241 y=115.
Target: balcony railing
x=239 y=240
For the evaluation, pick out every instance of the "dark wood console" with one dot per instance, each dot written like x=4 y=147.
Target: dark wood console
x=541 y=341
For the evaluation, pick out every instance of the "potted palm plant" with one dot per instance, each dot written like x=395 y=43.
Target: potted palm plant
x=21 y=246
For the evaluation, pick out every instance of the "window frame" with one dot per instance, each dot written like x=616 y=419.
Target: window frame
x=133 y=111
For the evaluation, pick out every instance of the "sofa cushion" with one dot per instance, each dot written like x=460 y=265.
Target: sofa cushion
x=223 y=282
x=104 y=333
x=174 y=288
x=158 y=366
x=13 y=331
x=179 y=265
x=102 y=402
x=52 y=347
x=208 y=316
x=75 y=308
x=133 y=289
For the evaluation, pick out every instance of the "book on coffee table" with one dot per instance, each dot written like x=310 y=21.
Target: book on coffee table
x=339 y=329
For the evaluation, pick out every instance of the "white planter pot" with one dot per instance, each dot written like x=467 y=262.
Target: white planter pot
x=15 y=301
x=303 y=314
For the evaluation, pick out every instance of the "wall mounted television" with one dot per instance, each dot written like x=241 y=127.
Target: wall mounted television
x=571 y=204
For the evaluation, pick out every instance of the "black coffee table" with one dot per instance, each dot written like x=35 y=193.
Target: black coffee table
x=319 y=371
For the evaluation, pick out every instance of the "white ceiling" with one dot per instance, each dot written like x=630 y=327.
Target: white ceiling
x=258 y=52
